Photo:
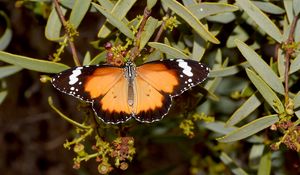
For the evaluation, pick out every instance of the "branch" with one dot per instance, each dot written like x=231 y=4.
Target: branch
x=65 y=25
x=135 y=50
x=289 y=51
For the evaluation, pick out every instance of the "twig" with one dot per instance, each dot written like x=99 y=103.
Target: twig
x=135 y=50
x=79 y=125
x=161 y=29
x=289 y=51
x=65 y=24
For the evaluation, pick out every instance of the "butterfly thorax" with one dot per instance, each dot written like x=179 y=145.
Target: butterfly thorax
x=130 y=74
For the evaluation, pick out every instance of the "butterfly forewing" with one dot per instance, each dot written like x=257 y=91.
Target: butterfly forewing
x=87 y=82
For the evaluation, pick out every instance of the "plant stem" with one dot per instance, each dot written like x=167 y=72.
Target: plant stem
x=65 y=117
x=289 y=51
x=161 y=29
x=64 y=23
x=135 y=50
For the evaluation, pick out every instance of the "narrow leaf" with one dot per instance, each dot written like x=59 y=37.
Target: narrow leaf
x=237 y=33
x=120 y=10
x=7 y=35
x=268 y=7
x=268 y=94
x=256 y=152
x=87 y=58
x=168 y=50
x=261 y=19
x=199 y=47
x=296 y=6
x=205 y=9
x=115 y=21
x=228 y=71
x=3 y=94
x=295 y=64
x=288 y=5
x=192 y=20
x=148 y=31
x=249 y=129
x=265 y=164
x=297 y=100
x=53 y=26
x=244 y=110
x=98 y=58
x=260 y=66
x=235 y=169
x=78 y=11
x=32 y=64
x=9 y=70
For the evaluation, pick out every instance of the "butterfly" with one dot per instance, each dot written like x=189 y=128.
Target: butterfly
x=142 y=92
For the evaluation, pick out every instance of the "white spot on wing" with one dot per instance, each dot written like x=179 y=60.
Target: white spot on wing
x=186 y=68
x=73 y=78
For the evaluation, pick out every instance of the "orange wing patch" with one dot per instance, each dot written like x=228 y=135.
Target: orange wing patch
x=159 y=76
x=150 y=104
x=99 y=83
x=113 y=106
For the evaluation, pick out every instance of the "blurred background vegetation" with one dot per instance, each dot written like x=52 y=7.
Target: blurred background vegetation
x=242 y=120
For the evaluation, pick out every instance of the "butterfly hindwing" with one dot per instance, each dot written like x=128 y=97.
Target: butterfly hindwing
x=113 y=106
x=151 y=104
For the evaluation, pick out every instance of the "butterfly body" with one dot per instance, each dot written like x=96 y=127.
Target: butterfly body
x=144 y=92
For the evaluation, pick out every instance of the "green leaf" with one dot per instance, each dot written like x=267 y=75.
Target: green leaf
x=244 y=110
x=7 y=35
x=108 y=5
x=268 y=7
x=101 y=57
x=199 y=47
x=78 y=12
x=265 y=164
x=153 y=56
x=87 y=58
x=9 y=70
x=119 y=11
x=288 y=5
x=168 y=50
x=235 y=169
x=205 y=9
x=151 y=4
x=3 y=94
x=261 y=19
x=223 y=18
x=260 y=66
x=228 y=71
x=295 y=64
x=32 y=64
x=115 y=21
x=297 y=100
x=220 y=127
x=148 y=31
x=192 y=20
x=268 y=94
x=249 y=129
x=255 y=154
x=297 y=32
x=237 y=33
x=296 y=6
x=53 y=26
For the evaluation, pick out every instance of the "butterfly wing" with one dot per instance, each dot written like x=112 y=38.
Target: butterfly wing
x=158 y=81
x=104 y=86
